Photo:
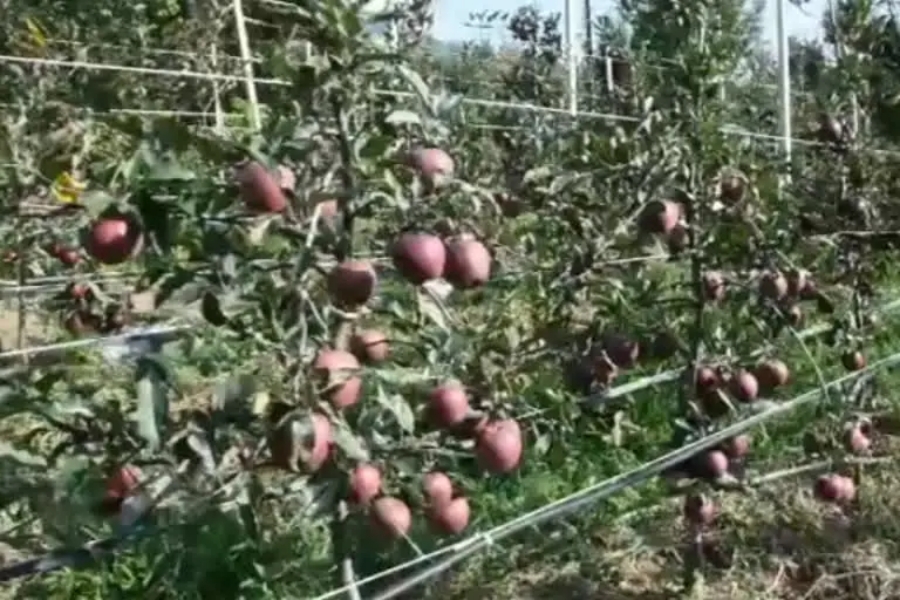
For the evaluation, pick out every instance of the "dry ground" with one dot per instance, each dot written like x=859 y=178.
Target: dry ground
x=776 y=543
x=35 y=332
x=41 y=329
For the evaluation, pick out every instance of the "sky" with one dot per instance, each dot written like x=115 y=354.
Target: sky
x=451 y=17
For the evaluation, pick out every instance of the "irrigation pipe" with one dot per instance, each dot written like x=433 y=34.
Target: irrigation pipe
x=461 y=550
x=42 y=288
x=637 y=385
x=69 y=277
x=77 y=344
x=593 y=494
x=469 y=546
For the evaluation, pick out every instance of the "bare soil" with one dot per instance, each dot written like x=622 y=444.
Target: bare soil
x=777 y=543
x=37 y=330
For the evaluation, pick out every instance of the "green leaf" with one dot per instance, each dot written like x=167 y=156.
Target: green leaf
x=234 y=390
x=403 y=117
x=400 y=408
x=322 y=498
x=349 y=444
x=257 y=232
x=152 y=403
x=315 y=499
x=187 y=294
x=431 y=310
x=73 y=407
x=170 y=171
x=156 y=217
x=537 y=174
x=171 y=286
x=401 y=376
x=446 y=103
x=8 y=393
x=373 y=147
x=21 y=457
x=254 y=154
x=193 y=446
x=96 y=202
x=418 y=84
x=171 y=134
x=71 y=473
x=229 y=266
x=248 y=516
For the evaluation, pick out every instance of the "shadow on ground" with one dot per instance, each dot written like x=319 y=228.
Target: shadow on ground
x=776 y=543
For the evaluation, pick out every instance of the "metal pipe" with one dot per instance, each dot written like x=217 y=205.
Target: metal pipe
x=784 y=80
x=571 y=56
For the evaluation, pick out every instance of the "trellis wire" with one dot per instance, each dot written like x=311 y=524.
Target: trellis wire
x=607 y=58
x=574 y=502
x=603 y=396
x=112 y=275
x=152 y=112
x=144 y=49
x=396 y=93
x=22 y=283
x=30 y=288
x=615 y=392
x=559 y=508
x=148 y=332
x=475 y=543
x=77 y=64
x=666 y=64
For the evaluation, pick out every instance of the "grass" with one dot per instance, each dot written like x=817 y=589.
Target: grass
x=771 y=542
x=618 y=551
x=775 y=542
x=779 y=543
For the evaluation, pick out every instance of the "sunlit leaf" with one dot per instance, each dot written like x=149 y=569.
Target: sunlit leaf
x=66 y=189
x=399 y=408
x=36 y=32
x=351 y=445
x=403 y=117
x=431 y=309
x=152 y=403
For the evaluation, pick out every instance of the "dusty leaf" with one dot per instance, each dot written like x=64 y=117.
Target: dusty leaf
x=399 y=408
x=350 y=444
x=403 y=117
x=152 y=404
x=431 y=310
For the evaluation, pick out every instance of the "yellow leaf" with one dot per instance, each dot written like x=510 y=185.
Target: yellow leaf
x=67 y=189
x=37 y=33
